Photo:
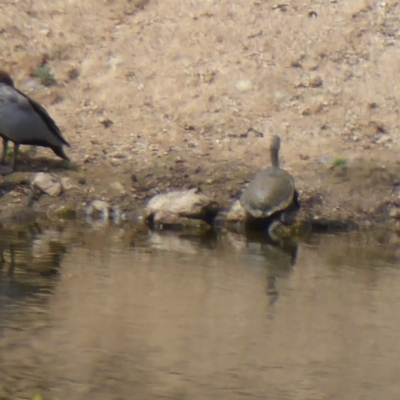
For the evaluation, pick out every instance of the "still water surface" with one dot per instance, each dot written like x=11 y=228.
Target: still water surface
x=107 y=314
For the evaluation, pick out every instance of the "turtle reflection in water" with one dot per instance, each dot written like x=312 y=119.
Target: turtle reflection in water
x=271 y=196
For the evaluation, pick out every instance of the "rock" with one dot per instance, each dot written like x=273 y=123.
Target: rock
x=394 y=213
x=98 y=209
x=244 y=85
x=117 y=158
x=315 y=81
x=384 y=140
x=313 y=106
x=118 y=187
x=106 y=122
x=115 y=162
x=118 y=155
x=168 y=209
x=67 y=183
x=237 y=214
x=47 y=183
x=87 y=158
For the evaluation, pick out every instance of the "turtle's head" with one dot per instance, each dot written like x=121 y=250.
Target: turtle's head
x=6 y=78
x=274 y=149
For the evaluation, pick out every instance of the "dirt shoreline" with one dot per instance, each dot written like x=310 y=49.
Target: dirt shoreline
x=162 y=95
x=362 y=194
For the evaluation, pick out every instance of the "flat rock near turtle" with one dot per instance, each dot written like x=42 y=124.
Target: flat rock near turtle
x=169 y=208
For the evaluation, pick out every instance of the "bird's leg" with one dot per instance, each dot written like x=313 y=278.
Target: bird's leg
x=15 y=155
x=4 y=153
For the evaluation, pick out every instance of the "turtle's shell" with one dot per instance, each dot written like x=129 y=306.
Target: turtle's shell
x=271 y=191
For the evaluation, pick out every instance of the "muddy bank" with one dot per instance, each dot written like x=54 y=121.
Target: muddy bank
x=340 y=194
x=319 y=75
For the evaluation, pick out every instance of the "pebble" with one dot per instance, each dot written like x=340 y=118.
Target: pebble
x=395 y=213
x=244 y=85
x=47 y=183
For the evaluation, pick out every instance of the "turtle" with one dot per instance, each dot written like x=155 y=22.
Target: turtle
x=272 y=194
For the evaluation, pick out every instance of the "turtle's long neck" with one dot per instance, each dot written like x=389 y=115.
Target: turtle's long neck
x=274 y=151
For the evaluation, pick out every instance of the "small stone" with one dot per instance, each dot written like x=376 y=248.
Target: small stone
x=236 y=214
x=99 y=205
x=98 y=209
x=115 y=162
x=106 y=122
x=384 y=139
x=304 y=157
x=315 y=81
x=117 y=158
x=73 y=73
x=67 y=183
x=281 y=7
x=244 y=85
x=298 y=84
x=313 y=106
x=87 y=158
x=394 y=213
x=118 y=187
x=117 y=154
x=47 y=183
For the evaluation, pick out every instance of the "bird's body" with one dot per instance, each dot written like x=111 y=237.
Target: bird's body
x=23 y=121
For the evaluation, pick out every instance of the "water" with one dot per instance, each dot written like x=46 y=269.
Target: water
x=110 y=314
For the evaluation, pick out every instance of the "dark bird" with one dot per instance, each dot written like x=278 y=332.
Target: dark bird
x=24 y=121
